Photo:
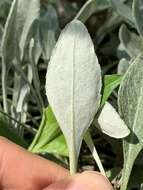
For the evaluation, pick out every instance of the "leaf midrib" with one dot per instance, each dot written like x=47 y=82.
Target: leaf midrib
x=72 y=98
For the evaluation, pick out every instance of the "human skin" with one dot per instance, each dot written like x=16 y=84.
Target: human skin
x=22 y=170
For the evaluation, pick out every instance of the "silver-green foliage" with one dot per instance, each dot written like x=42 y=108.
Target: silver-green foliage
x=133 y=43
x=26 y=20
x=123 y=66
x=48 y=30
x=110 y=123
x=123 y=10
x=131 y=109
x=15 y=36
x=73 y=84
x=138 y=15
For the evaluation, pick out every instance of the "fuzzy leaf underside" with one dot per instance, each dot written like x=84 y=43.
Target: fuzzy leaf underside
x=73 y=83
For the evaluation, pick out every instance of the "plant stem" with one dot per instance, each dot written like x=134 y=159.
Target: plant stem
x=4 y=87
x=90 y=144
x=18 y=69
x=73 y=159
x=30 y=148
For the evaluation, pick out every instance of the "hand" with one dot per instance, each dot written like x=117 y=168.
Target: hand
x=21 y=170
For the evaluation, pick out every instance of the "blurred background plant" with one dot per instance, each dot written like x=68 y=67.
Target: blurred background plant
x=28 y=33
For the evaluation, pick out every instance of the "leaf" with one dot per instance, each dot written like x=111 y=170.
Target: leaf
x=1 y=33
x=121 y=52
x=49 y=138
x=141 y=187
x=130 y=103
x=123 y=66
x=16 y=30
x=24 y=77
x=32 y=13
x=8 y=48
x=24 y=91
x=8 y=131
x=136 y=177
x=90 y=7
x=73 y=84
x=110 y=123
x=113 y=21
x=4 y=9
x=33 y=65
x=123 y=10
x=49 y=26
x=132 y=42
x=9 y=39
x=20 y=19
x=35 y=35
x=17 y=27
x=110 y=82
x=138 y=15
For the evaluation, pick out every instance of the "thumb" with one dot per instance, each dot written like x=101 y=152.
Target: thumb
x=84 y=181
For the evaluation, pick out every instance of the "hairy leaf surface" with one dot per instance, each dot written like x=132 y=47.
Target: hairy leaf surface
x=73 y=84
x=131 y=109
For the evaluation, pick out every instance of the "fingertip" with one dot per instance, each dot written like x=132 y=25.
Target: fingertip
x=3 y=140
x=84 y=181
x=98 y=180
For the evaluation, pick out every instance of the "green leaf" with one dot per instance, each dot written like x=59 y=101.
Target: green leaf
x=49 y=138
x=76 y=100
x=130 y=103
x=138 y=15
x=110 y=82
x=132 y=42
x=9 y=132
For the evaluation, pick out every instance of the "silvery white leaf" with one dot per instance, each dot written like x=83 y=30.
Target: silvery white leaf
x=137 y=12
x=73 y=83
x=90 y=7
x=110 y=122
x=123 y=10
x=131 y=41
x=33 y=12
x=130 y=101
x=123 y=66
x=9 y=39
x=49 y=26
